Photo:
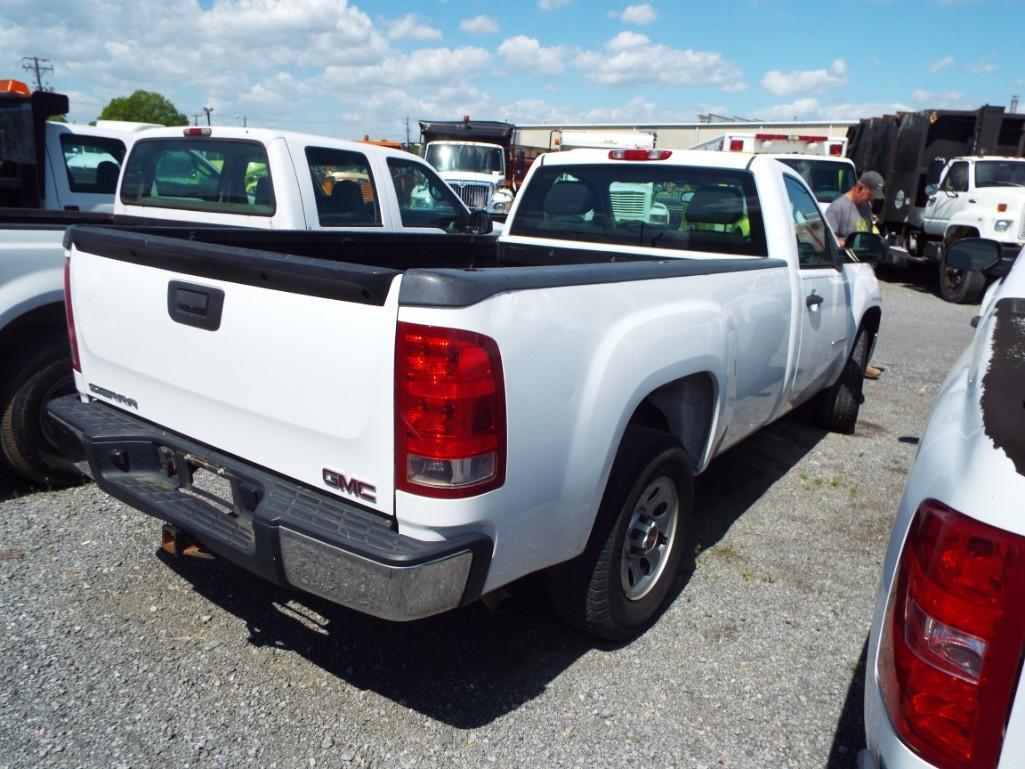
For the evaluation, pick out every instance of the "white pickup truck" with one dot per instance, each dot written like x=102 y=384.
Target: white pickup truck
x=943 y=674
x=976 y=197
x=403 y=425
x=254 y=178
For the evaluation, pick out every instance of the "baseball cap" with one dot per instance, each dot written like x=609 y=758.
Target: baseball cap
x=874 y=182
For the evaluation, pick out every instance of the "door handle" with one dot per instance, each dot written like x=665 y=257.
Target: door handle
x=813 y=300
x=195 y=305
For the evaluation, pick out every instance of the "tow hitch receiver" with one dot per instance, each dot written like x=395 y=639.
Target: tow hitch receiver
x=176 y=542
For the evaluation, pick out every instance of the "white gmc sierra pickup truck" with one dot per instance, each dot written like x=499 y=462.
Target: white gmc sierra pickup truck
x=404 y=424
x=257 y=178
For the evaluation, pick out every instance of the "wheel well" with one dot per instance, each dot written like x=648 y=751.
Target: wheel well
x=24 y=330
x=871 y=319
x=683 y=408
x=959 y=231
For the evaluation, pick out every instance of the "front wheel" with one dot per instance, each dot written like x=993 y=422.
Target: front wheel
x=623 y=577
x=839 y=404
x=959 y=286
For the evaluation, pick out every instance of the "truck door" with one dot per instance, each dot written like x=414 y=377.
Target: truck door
x=823 y=301
x=948 y=199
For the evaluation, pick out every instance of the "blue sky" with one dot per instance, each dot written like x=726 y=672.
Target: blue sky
x=349 y=68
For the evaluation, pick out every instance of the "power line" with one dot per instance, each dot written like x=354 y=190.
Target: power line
x=38 y=66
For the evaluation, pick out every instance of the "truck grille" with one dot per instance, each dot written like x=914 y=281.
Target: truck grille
x=628 y=204
x=474 y=195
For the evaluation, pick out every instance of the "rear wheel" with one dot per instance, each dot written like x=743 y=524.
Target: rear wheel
x=959 y=286
x=27 y=434
x=623 y=577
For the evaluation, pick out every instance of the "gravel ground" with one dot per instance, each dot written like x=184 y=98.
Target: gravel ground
x=112 y=656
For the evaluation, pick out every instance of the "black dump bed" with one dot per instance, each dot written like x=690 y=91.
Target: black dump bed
x=910 y=149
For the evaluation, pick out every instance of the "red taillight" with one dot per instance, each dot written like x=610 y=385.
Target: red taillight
x=951 y=645
x=640 y=154
x=450 y=412
x=736 y=145
x=197 y=131
x=69 y=313
x=836 y=150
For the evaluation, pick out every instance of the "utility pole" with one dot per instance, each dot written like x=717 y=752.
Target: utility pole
x=38 y=66
x=243 y=119
x=1014 y=105
x=208 y=110
x=407 y=131
x=195 y=118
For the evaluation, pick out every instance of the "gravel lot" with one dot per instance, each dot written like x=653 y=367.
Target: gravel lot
x=112 y=656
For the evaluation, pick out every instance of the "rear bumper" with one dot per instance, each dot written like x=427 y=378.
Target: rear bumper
x=274 y=527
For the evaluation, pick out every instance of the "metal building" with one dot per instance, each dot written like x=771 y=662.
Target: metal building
x=678 y=135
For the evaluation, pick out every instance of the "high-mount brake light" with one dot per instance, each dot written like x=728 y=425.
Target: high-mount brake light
x=836 y=150
x=951 y=644
x=812 y=139
x=69 y=315
x=14 y=88
x=640 y=154
x=449 y=412
x=195 y=131
x=736 y=145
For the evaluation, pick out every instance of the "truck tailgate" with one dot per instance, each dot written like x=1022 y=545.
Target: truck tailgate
x=294 y=370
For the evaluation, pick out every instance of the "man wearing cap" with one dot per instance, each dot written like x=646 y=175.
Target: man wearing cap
x=852 y=212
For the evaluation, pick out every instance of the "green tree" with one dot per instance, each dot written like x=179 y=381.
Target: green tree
x=144 y=107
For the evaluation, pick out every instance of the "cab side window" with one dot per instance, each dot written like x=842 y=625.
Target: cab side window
x=810 y=229
x=343 y=187
x=93 y=163
x=424 y=199
x=957 y=179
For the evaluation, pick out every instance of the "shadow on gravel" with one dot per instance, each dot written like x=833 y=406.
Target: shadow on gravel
x=738 y=478
x=11 y=486
x=923 y=278
x=849 y=737
x=465 y=668
x=469 y=667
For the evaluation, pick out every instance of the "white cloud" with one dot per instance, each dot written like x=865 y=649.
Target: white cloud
x=631 y=57
x=810 y=109
x=526 y=55
x=982 y=68
x=409 y=26
x=640 y=15
x=551 y=5
x=805 y=81
x=423 y=66
x=941 y=99
x=946 y=61
x=479 y=25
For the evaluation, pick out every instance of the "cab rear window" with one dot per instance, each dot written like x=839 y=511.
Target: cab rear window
x=93 y=163
x=220 y=176
x=657 y=206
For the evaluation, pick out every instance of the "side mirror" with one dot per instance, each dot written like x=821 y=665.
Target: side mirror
x=479 y=222
x=931 y=189
x=867 y=246
x=976 y=254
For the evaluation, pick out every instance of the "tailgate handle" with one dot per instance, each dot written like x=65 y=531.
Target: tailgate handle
x=194 y=305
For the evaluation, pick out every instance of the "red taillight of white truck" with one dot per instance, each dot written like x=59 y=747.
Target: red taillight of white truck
x=69 y=314
x=952 y=640
x=450 y=412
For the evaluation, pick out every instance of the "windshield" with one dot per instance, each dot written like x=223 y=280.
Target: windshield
x=1000 y=173
x=473 y=158
x=828 y=179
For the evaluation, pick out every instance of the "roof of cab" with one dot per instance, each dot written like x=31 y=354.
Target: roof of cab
x=266 y=135
x=677 y=158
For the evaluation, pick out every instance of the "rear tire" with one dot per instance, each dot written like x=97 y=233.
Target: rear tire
x=959 y=286
x=27 y=440
x=618 y=585
x=839 y=404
